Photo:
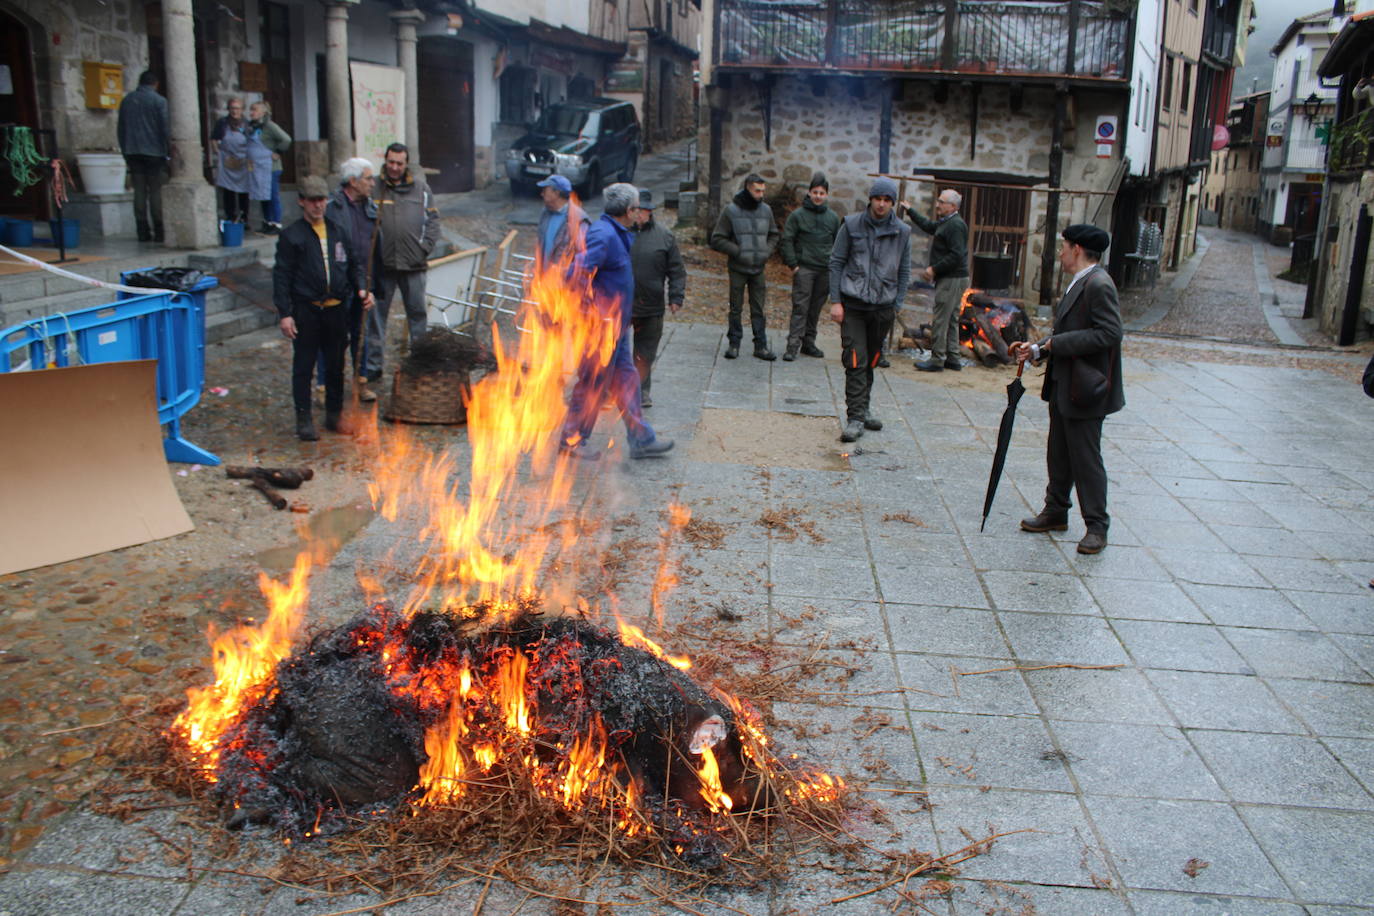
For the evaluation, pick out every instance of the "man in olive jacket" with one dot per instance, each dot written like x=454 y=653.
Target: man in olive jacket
x=807 y=238
x=948 y=270
x=315 y=275
x=408 y=231
x=746 y=232
x=656 y=260
x=870 y=268
x=1082 y=385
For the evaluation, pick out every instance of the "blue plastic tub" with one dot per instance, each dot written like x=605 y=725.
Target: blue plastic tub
x=230 y=234
x=18 y=233
x=69 y=230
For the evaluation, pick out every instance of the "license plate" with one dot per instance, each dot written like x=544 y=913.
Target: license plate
x=538 y=169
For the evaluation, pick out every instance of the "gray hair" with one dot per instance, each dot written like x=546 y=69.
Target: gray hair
x=354 y=168
x=952 y=197
x=619 y=198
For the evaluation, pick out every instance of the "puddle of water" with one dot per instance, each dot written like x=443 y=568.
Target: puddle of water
x=328 y=530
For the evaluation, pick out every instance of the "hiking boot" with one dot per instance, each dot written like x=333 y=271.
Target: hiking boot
x=882 y=363
x=644 y=399
x=789 y=354
x=872 y=422
x=954 y=364
x=1045 y=521
x=732 y=351
x=930 y=365
x=764 y=354
x=852 y=431
x=655 y=448
x=335 y=422
x=1093 y=542
x=812 y=350
x=305 y=426
x=366 y=394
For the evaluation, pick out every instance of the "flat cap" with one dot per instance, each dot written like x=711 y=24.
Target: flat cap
x=646 y=199
x=312 y=187
x=1089 y=237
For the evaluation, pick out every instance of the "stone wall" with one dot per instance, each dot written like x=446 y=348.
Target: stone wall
x=65 y=34
x=833 y=124
x=684 y=111
x=1343 y=200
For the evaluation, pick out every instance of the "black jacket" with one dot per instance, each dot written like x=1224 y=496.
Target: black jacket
x=746 y=232
x=298 y=277
x=655 y=257
x=1085 y=350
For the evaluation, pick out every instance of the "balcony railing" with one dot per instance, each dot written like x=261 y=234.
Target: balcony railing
x=1308 y=155
x=1050 y=37
x=1220 y=41
x=1352 y=143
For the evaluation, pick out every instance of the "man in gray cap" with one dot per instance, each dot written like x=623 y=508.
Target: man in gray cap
x=870 y=267
x=948 y=270
x=657 y=261
x=1082 y=385
x=316 y=274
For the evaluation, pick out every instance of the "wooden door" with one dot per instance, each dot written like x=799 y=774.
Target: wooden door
x=20 y=106
x=445 y=109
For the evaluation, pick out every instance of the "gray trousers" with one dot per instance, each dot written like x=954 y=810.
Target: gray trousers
x=944 y=327
x=734 y=331
x=810 y=288
x=147 y=174
x=411 y=283
x=1074 y=461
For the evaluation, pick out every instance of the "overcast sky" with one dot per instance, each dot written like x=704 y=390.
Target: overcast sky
x=1271 y=18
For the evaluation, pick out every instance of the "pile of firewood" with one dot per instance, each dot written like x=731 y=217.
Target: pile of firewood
x=987 y=326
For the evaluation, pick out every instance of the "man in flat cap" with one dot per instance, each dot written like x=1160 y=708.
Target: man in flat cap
x=1082 y=385
x=657 y=263
x=870 y=267
x=316 y=274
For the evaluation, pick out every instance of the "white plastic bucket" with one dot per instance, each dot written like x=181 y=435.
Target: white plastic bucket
x=101 y=173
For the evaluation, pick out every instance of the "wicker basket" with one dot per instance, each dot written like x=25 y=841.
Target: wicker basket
x=436 y=397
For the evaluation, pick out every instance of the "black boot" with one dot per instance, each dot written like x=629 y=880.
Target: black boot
x=305 y=426
x=334 y=422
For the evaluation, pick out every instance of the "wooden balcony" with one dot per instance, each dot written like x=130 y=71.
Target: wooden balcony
x=1080 y=39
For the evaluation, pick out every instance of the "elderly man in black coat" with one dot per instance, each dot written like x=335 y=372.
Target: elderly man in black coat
x=1082 y=386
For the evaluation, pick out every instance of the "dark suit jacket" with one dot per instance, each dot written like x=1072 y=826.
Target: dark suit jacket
x=298 y=276
x=1087 y=327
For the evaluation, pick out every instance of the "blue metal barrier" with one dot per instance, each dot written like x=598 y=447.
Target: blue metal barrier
x=167 y=327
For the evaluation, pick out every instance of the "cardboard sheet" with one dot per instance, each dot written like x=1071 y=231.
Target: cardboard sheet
x=82 y=469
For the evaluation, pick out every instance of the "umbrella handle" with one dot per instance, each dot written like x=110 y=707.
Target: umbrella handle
x=1020 y=367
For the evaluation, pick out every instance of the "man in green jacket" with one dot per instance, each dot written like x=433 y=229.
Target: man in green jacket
x=807 y=238
x=949 y=271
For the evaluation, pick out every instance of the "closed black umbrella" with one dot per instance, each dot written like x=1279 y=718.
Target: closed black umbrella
x=999 y=457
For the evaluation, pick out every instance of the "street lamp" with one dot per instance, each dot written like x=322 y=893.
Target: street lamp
x=1311 y=106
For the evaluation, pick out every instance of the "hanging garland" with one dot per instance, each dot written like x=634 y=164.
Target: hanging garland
x=22 y=155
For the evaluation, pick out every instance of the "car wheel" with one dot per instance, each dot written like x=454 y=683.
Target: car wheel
x=631 y=163
x=592 y=187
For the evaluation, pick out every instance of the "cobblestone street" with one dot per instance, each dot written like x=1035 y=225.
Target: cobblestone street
x=1180 y=725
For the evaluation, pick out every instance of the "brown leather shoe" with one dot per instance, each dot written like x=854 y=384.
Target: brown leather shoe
x=1045 y=522
x=1092 y=542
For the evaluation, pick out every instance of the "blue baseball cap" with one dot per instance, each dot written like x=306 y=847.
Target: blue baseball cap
x=556 y=181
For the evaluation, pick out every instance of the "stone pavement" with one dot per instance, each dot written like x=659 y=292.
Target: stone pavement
x=1224 y=764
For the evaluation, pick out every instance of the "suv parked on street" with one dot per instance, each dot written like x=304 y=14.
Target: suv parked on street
x=591 y=142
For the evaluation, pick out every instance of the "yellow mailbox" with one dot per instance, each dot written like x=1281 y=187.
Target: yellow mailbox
x=104 y=84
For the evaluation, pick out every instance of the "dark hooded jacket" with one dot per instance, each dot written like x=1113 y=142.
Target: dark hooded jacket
x=655 y=256
x=746 y=232
x=808 y=236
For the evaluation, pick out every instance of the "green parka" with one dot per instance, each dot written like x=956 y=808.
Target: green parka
x=808 y=235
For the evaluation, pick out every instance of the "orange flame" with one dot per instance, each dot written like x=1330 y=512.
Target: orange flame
x=633 y=636
x=713 y=793
x=244 y=659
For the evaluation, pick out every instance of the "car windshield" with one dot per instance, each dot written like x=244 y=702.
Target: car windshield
x=559 y=120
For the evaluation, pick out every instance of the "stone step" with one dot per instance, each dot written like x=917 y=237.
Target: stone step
x=223 y=325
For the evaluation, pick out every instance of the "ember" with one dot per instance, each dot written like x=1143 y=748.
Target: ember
x=987 y=324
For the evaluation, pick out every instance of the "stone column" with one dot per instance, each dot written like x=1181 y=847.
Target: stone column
x=406 y=21
x=190 y=216
x=337 y=102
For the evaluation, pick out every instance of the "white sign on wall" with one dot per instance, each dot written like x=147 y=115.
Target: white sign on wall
x=379 y=105
x=1105 y=136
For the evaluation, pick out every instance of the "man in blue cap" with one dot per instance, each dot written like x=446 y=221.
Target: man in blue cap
x=1082 y=385
x=606 y=261
x=870 y=268
x=562 y=224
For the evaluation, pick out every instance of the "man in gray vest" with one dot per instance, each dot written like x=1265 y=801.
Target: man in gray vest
x=746 y=232
x=870 y=267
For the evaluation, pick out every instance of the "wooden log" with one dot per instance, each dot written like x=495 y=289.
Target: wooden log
x=993 y=337
x=984 y=353
x=272 y=496
x=286 y=478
